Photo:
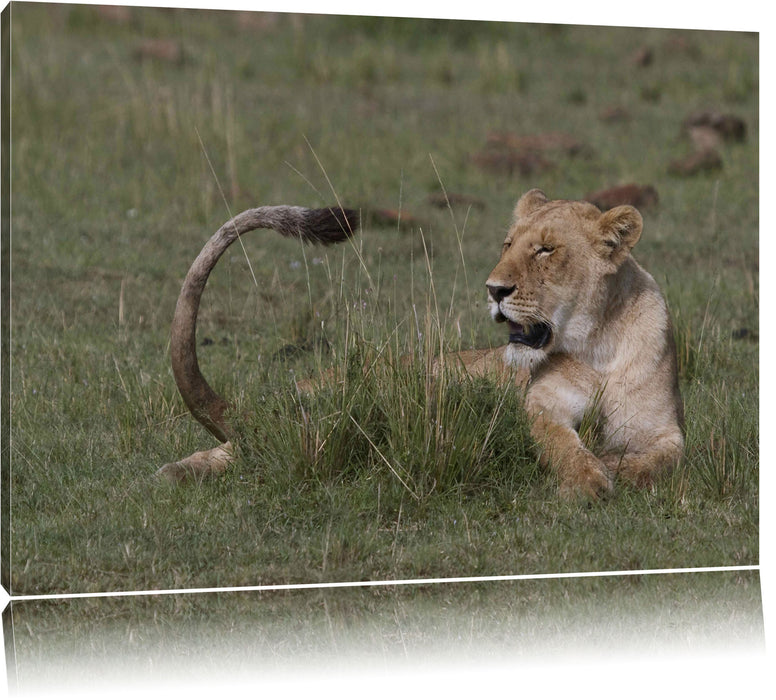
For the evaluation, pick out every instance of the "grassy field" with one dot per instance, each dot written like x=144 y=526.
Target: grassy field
x=127 y=155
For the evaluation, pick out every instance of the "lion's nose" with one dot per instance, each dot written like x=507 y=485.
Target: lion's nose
x=498 y=292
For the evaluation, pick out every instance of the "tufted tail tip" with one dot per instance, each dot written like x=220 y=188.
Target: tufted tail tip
x=331 y=225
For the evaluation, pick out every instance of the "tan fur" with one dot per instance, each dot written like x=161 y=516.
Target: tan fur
x=589 y=329
x=611 y=347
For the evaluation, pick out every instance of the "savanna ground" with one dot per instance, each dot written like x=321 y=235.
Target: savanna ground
x=127 y=155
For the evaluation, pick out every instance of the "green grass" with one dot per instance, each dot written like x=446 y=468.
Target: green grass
x=123 y=168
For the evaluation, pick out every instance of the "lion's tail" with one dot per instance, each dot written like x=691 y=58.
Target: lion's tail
x=324 y=226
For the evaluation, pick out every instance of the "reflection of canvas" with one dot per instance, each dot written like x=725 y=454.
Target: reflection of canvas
x=259 y=638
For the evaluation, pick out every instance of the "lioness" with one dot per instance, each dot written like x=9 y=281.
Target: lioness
x=588 y=329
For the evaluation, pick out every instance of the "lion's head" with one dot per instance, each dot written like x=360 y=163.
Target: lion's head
x=552 y=283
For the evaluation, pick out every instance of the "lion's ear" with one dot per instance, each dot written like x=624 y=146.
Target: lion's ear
x=529 y=202
x=619 y=230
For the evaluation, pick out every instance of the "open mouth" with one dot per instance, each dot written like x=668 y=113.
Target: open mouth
x=536 y=336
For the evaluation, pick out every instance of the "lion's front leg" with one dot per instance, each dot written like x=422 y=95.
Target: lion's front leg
x=555 y=404
x=579 y=471
x=199 y=465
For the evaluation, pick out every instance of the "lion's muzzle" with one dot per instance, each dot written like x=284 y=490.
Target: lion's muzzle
x=534 y=336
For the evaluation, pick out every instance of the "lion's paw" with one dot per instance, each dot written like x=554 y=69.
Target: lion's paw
x=589 y=479
x=176 y=472
x=199 y=465
x=639 y=470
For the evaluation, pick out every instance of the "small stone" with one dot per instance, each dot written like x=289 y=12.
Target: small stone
x=441 y=200
x=643 y=57
x=700 y=161
x=728 y=126
x=639 y=196
x=391 y=218
x=508 y=161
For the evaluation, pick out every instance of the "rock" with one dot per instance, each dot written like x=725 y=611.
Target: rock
x=728 y=126
x=643 y=57
x=700 y=161
x=704 y=138
x=441 y=200
x=639 y=196
x=508 y=161
x=390 y=217
x=550 y=142
x=506 y=153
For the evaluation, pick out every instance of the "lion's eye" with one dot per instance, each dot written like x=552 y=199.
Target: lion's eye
x=545 y=249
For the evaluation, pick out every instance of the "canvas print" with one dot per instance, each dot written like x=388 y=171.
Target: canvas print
x=297 y=300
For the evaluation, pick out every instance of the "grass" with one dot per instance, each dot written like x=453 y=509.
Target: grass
x=123 y=167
